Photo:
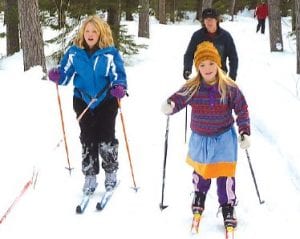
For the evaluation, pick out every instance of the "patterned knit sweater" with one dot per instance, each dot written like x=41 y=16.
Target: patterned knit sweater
x=209 y=115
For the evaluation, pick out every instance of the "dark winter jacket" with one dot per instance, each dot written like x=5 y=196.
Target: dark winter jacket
x=261 y=11
x=223 y=42
x=93 y=75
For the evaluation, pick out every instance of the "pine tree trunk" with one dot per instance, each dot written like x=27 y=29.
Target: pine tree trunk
x=276 y=43
x=297 y=13
x=232 y=7
x=206 y=4
x=12 y=29
x=162 y=12
x=143 y=18
x=199 y=10
x=31 y=35
x=129 y=6
x=113 y=19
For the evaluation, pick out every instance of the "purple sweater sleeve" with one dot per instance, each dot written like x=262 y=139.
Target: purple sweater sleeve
x=179 y=100
x=240 y=107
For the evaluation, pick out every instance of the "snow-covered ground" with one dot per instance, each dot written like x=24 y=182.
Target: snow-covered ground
x=30 y=129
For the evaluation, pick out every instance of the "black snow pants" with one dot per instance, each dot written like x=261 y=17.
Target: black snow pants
x=97 y=136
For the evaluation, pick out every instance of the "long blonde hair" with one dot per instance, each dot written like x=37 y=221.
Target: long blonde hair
x=102 y=27
x=192 y=86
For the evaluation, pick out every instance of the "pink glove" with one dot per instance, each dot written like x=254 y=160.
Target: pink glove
x=118 y=91
x=54 y=75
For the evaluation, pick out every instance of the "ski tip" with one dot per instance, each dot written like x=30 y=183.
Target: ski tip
x=195 y=223
x=78 y=209
x=99 y=206
x=229 y=232
x=194 y=231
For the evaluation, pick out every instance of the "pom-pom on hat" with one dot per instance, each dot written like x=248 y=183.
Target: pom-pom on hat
x=206 y=51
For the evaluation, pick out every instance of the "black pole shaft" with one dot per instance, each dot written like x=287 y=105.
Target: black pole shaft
x=253 y=176
x=162 y=206
x=185 y=124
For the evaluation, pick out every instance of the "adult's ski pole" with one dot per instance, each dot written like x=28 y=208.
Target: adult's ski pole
x=161 y=205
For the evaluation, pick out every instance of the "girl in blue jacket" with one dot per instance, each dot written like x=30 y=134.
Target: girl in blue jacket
x=99 y=79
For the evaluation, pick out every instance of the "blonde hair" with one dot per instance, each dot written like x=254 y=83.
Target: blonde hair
x=192 y=86
x=102 y=27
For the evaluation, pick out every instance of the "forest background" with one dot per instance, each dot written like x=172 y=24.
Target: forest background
x=25 y=19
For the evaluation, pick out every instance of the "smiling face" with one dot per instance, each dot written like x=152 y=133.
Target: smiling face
x=91 y=35
x=208 y=70
x=211 y=24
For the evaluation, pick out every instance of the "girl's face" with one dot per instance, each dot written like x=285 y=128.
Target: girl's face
x=208 y=70
x=91 y=35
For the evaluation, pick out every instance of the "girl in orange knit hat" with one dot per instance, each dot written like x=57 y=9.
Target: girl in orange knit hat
x=212 y=151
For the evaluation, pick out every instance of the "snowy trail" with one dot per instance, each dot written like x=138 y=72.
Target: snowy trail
x=49 y=210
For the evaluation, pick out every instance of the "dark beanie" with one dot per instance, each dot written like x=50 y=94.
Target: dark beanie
x=210 y=13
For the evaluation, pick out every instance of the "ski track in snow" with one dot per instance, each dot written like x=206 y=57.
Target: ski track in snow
x=49 y=211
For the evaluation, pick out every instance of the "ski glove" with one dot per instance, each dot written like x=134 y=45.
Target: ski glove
x=244 y=141
x=118 y=91
x=186 y=74
x=167 y=107
x=54 y=74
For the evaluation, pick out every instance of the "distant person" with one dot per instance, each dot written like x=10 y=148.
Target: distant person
x=212 y=151
x=261 y=13
x=97 y=71
x=223 y=41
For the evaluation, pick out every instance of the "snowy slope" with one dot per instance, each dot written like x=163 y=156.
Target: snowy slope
x=30 y=130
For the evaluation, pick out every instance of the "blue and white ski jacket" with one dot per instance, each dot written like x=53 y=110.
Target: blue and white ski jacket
x=93 y=75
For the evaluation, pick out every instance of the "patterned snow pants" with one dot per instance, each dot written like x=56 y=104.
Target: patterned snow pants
x=225 y=188
x=97 y=136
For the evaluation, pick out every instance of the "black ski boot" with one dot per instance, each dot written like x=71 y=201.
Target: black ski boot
x=197 y=209
x=229 y=216
x=198 y=202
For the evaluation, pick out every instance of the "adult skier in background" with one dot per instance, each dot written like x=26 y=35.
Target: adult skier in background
x=222 y=40
x=99 y=79
x=261 y=13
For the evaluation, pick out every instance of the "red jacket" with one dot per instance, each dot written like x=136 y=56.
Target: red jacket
x=261 y=11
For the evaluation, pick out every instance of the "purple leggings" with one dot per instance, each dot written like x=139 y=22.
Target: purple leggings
x=225 y=188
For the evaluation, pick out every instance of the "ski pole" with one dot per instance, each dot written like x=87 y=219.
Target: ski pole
x=25 y=188
x=63 y=128
x=253 y=176
x=185 y=125
x=78 y=118
x=86 y=109
x=127 y=145
x=161 y=205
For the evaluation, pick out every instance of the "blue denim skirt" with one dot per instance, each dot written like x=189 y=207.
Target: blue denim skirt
x=213 y=156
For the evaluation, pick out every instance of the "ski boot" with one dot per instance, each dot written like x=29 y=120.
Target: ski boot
x=197 y=209
x=229 y=216
x=110 y=181
x=90 y=184
x=230 y=221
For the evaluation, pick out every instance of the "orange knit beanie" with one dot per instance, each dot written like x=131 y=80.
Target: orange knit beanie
x=206 y=51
